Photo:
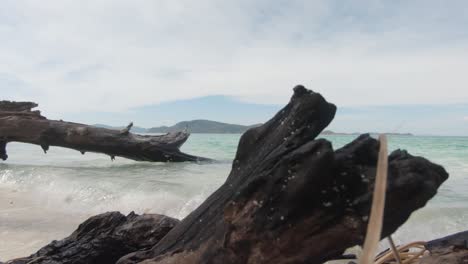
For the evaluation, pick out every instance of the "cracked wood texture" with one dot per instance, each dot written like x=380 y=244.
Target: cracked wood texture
x=290 y=198
x=18 y=123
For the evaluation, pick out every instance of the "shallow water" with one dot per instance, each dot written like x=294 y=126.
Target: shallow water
x=45 y=197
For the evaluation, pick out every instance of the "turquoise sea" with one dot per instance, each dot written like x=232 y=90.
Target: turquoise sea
x=45 y=197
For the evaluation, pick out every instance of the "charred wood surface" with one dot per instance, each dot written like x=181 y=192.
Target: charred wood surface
x=292 y=199
x=103 y=239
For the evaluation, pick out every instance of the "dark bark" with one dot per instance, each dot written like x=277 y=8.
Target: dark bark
x=3 y=154
x=8 y=106
x=103 y=239
x=18 y=123
x=292 y=199
x=452 y=249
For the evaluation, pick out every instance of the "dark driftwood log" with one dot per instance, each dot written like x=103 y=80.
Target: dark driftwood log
x=103 y=239
x=292 y=199
x=18 y=123
x=452 y=249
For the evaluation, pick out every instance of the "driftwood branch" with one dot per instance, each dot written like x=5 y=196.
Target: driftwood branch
x=18 y=123
x=291 y=198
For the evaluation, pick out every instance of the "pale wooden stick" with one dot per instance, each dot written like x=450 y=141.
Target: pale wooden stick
x=394 y=250
x=374 y=228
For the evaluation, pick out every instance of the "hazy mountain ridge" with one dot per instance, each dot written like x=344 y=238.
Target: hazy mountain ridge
x=194 y=126
x=203 y=126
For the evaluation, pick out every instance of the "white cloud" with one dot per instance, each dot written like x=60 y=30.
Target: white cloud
x=93 y=55
x=465 y=118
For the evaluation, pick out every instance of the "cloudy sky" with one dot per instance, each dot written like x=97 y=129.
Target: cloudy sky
x=389 y=65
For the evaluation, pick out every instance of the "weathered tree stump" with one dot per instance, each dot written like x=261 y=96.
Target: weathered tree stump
x=292 y=199
x=18 y=123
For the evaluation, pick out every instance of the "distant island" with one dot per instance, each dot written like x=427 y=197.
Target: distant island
x=202 y=126
x=194 y=126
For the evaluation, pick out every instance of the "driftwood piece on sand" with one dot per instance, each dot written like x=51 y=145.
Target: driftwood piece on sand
x=452 y=249
x=18 y=123
x=103 y=239
x=293 y=199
